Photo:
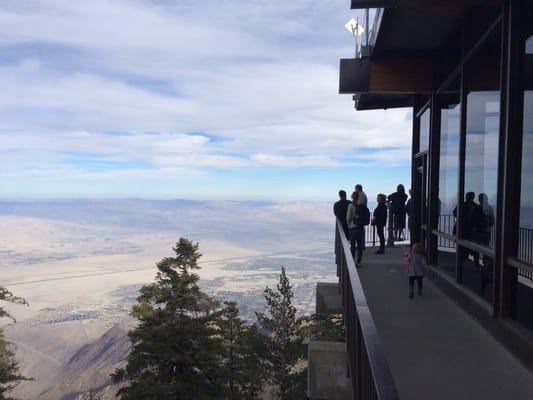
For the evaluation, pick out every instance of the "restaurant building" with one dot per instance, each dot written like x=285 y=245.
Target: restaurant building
x=465 y=67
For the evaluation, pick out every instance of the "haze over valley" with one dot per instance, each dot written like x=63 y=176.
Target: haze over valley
x=80 y=264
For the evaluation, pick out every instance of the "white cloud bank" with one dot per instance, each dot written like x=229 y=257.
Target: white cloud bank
x=172 y=86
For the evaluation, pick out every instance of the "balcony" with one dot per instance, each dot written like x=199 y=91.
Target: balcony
x=424 y=348
x=368 y=21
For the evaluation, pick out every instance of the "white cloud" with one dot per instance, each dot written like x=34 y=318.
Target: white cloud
x=257 y=80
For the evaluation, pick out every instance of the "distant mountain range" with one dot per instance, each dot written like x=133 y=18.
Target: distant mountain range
x=234 y=219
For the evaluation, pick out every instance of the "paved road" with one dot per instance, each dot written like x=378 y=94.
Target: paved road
x=435 y=350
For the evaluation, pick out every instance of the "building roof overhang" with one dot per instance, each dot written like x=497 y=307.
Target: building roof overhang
x=357 y=4
x=412 y=35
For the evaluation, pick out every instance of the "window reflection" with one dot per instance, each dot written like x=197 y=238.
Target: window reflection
x=481 y=165
x=449 y=160
x=525 y=244
x=526 y=202
x=482 y=141
x=446 y=256
x=424 y=130
x=524 y=279
x=478 y=273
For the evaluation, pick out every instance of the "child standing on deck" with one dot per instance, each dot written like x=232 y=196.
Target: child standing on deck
x=415 y=269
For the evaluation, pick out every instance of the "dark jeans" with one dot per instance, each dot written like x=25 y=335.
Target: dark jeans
x=357 y=241
x=418 y=281
x=381 y=235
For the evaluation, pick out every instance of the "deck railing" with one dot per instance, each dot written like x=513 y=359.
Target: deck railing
x=368 y=368
x=447 y=224
x=369 y=20
x=371 y=236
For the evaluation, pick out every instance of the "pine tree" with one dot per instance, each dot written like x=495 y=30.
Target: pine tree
x=176 y=347
x=329 y=328
x=285 y=341
x=7 y=296
x=9 y=370
x=231 y=331
x=243 y=353
x=253 y=363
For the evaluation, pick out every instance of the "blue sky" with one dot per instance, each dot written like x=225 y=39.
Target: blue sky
x=186 y=99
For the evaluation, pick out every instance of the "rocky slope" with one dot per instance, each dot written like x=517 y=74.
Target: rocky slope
x=90 y=367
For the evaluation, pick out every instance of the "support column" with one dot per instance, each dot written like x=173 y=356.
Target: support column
x=433 y=192
x=415 y=146
x=510 y=160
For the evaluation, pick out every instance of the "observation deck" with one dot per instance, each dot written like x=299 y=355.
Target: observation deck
x=427 y=347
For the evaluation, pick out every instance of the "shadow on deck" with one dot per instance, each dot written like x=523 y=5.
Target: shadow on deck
x=434 y=349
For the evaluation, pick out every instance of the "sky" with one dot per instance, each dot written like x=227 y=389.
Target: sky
x=224 y=99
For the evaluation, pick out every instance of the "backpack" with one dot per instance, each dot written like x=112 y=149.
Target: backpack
x=362 y=215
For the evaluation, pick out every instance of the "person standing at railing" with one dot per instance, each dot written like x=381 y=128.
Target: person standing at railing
x=467 y=223
x=380 y=220
x=364 y=201
x=362 y=195
x=340 y=209
x=483 y=220
x=408 y=210
x=397 y=204
x=482 y=217
x=466 y=216
x=357 y=218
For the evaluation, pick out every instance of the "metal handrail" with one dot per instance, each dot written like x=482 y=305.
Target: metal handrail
x=371 y=237
x=370 y=19
x=368 y=367
x=446 y=226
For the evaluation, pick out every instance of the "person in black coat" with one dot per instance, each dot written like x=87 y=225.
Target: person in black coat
x=340 y=209
x=466 y=216
x=408 y=210
x=397 y=202
x=380 y=220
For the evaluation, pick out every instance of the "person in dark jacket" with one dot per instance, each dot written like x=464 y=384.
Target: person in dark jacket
x=408 y=210
x=467 y=223
x=482 y=220
x=397 y=204
x=357 y=228
x=340 y=209
x=466 y=216
x=380 y=220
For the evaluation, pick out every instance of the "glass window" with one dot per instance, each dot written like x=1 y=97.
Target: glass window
x=424 y=130
x=525 y=247
x=446 y=258
x=523 y=310
x=529 y=45
x=450 y=105
x=524 y=279
x=482 y=140
x=478 y=273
